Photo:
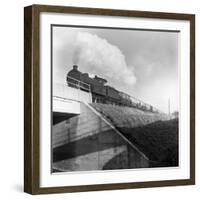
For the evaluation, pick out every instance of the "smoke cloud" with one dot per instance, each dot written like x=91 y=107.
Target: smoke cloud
x=97 y=55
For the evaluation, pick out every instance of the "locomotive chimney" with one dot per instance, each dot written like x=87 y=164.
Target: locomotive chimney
x=75 y=67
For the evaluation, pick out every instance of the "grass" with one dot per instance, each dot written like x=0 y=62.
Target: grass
x=153 y=133
x=122 y=116
x=158 y=140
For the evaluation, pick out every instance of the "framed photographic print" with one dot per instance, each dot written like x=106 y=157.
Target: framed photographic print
x=109 y=99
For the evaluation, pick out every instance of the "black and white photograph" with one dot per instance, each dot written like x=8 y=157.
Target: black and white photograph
x=109 y=99
x=115 y=98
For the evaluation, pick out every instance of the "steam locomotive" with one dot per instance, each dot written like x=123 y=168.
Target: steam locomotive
x=102 y=93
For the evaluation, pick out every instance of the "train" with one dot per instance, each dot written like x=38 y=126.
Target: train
x=103 y=93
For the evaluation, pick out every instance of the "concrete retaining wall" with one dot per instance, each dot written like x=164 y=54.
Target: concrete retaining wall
x=62 y=105
x=63 y=91
x=87 y=142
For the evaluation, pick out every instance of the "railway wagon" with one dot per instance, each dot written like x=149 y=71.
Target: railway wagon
x=103 y=93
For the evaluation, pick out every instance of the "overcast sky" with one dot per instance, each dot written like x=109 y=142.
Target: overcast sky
x=141 y=63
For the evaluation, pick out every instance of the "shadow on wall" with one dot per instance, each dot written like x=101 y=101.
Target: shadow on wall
x=60 y=117
x=116 y=162
x=84 y=146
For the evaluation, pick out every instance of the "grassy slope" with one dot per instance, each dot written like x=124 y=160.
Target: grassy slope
x=157 y=139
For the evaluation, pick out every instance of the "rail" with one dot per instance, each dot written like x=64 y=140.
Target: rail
x=63 y=99
x=78 y=84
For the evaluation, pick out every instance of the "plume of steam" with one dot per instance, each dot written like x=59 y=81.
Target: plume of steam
x=96 y=54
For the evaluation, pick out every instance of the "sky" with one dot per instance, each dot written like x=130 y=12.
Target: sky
x=141 y=63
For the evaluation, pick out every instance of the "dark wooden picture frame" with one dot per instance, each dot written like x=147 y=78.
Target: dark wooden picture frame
x=32 y=98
